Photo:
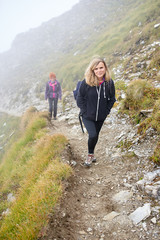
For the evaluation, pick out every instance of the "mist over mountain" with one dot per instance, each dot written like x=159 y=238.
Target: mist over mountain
x=65 y=44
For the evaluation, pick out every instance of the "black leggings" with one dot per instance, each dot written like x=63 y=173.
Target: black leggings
x=53 y=106
x=93 y=129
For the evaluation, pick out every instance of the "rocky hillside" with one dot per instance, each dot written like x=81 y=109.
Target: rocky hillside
x=125 y=32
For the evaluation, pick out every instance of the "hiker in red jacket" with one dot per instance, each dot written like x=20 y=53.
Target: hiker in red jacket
x=53 y=93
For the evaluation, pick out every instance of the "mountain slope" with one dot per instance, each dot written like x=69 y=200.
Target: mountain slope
x=65 y=44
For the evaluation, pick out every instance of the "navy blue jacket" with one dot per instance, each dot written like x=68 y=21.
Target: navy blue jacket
x=93 y=107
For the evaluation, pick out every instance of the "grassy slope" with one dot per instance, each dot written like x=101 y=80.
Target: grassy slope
x=32 y=170
x=116 y=38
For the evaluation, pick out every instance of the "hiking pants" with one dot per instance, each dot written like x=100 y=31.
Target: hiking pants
x=93 y=129
x=53 y=106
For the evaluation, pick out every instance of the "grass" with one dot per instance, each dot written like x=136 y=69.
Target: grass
x=152 y=121
x=156 y=155
x=155 y=62
x=33 y=171
x=117 y=38
x=120 y=85
x=65 y=94
x=8 y=131
x=124 y=145
x=14 y=159
x=141 y=95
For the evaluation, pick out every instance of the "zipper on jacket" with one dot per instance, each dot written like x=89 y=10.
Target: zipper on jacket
x=98 y=92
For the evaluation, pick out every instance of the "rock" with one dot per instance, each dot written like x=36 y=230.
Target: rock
x=2 y=135
x=157 y=25
x=154 y=220
x=116 y=153
x=89 y=229
x=73 y=163
x=156 y=209
x=144 y=226
x=76 y=128
x=150 y=176
x=10 y=198
x=7 y=212
x=62 y=118
x=140 y=213
x=150 y=184
x=82 y=232
x=146 y=113
x=110 y=216
x=139 y=24
x=127 y=185
x=108 y=152
x=122 y=196
x=120 y=136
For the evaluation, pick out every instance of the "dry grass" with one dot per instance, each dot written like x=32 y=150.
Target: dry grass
x=33 y=168
x=156 y=156
x=141 y=95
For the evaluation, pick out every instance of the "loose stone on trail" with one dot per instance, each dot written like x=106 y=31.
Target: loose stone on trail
x=122 y=196
x=140 y=213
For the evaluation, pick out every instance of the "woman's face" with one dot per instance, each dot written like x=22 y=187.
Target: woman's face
x=100 y=70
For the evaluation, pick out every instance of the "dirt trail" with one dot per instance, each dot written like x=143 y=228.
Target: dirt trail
x=89 y=195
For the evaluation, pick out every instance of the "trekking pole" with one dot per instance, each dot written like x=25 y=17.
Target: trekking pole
x=80 y=120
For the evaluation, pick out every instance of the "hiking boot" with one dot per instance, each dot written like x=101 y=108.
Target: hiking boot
x=94 y=159
x=88 y=161
x=49 y=116
x=55 y=118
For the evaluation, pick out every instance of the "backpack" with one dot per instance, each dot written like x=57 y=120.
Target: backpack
x=75 y=92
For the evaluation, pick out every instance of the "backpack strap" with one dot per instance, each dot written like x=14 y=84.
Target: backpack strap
x=80 y=121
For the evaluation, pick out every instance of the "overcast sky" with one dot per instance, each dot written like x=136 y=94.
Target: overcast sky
x=18 y=16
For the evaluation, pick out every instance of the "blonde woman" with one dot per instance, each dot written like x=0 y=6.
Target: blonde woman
x=95 y=99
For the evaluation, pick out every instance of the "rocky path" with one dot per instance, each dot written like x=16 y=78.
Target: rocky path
x=99 y=202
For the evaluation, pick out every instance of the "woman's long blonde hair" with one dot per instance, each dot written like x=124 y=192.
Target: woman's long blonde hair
x=90 y=77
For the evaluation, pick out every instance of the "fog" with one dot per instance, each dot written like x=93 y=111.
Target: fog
x=21 y=15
